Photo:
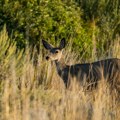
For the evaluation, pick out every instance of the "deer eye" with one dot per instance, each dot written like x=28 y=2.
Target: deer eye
x=56 y=51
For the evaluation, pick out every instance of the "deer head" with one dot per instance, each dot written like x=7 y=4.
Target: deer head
x=55 y=53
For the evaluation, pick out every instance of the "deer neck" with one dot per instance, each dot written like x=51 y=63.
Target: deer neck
x=62 y=70
x=60 y=65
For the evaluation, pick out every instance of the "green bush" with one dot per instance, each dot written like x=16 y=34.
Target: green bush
x=90 y=26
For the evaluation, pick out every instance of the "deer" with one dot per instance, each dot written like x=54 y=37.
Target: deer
x=89 y=71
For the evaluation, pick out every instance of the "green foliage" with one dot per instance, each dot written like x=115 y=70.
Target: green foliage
x=103 y=16
x=30 y=21
x=90 y=25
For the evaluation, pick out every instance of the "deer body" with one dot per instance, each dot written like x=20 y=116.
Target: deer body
x=90 y=71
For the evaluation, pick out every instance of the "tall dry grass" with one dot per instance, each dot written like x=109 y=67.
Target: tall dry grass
x=29 y=92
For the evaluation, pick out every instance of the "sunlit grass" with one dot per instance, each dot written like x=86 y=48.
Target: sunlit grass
x=29 y=92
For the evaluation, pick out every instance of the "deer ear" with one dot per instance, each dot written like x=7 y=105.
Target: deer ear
x=62 y=43
x=47 y=45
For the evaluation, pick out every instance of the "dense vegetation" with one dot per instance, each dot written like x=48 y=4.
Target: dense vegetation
x=29 y=92
x=90 y=25
x=30 y=89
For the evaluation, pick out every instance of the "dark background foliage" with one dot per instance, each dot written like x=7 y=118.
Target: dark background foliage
x=91 y=25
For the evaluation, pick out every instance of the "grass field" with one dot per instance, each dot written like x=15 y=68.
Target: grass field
x=29 y=92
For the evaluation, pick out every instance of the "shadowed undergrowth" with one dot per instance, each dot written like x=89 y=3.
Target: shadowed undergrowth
x=29 y=92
